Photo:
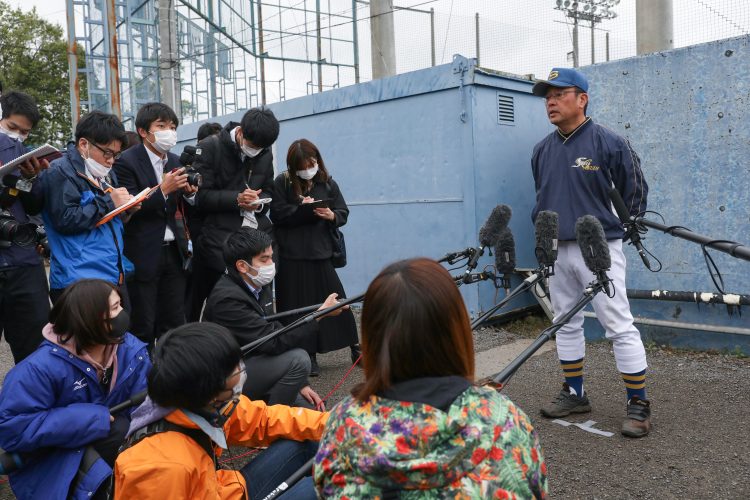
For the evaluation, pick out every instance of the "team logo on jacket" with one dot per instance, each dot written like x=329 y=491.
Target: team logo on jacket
x=585 y=164
x=79 y=384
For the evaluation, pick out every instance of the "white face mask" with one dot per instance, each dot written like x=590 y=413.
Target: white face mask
x=265 y=274
x=164 y=140
x=13 y=135
x=308 y=173
x=251 y=152
x=94 y=167
x=237 y=389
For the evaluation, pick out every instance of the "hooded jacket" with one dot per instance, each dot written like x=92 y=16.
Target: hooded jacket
x=437 y=437
x=53 y=400
x=172 y=465
x=73 y=205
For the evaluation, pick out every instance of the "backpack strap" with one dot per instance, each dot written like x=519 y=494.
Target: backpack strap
x=162 y=425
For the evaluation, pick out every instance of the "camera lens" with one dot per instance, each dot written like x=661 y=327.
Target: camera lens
x=194 y=178
x=11 y=230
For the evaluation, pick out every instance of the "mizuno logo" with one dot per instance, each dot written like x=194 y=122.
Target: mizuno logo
x=79 y=384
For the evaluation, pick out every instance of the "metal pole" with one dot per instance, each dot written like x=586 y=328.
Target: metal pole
x=575 y=42
x=168 y=63
x=355 y=40
x=75 y=86
x=320 y=47
x=112 y=68
x=592 y=40
x=262 y=55
x=432 y=34
x=476 y=23
x=653 y=25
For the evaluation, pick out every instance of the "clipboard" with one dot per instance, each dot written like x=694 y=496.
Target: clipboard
x=46 y=152
x=139 y=198
x=324 y=203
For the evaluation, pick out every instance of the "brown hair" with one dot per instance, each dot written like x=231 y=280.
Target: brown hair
x=414 y=324
x=82 y=314
x=300 y=151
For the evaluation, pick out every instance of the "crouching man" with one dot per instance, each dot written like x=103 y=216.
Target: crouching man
x=194 y=411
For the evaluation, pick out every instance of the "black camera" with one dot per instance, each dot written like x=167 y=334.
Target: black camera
x=12 y=231
x=186 y=160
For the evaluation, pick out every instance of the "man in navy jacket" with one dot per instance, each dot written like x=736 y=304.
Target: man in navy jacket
x=574 y=168
x=23 y=283
x=156 y=238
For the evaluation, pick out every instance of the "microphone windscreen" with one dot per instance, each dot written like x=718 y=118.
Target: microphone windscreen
x=496 y=222
x=593 y=244
x=622 y=211
x=505 y=252
x=546 y=237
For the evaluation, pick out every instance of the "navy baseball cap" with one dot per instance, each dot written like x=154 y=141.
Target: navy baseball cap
x=561 y=77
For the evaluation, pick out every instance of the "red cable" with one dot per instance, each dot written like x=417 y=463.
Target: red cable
x=343 y=379
x=242 y=455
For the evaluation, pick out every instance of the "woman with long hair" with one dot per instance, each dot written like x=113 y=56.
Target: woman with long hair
x=306 y=274
x=54 y=405
x=418 y=426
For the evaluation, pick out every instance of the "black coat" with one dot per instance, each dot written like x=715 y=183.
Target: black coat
x=300 y=234
x=225 y=175
x=232 y=305
x=144 y=232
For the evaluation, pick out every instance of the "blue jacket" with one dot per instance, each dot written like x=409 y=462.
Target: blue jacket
x=72 y=207
x=53 y=399
x=25 y=204
x=573 y=177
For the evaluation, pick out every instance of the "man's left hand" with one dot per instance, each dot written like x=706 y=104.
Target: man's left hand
x=31 y=167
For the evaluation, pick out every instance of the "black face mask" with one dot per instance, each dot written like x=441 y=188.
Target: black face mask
x=120 y=324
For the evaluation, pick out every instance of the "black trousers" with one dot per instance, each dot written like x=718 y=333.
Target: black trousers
x=24 y=308
x=201 y=282
x=158 y=305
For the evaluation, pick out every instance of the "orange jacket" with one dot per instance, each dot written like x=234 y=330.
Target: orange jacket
x=170 y=465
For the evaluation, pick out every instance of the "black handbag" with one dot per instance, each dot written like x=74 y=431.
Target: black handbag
x=338 y=259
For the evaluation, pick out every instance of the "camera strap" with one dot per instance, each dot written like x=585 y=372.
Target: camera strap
x=121 y=277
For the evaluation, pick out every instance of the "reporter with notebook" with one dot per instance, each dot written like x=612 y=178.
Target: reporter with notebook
x=156 y=237
x=23 y=283
x=79 y=190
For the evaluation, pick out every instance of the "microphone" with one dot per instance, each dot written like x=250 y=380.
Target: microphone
x=496 y=222
x=594 y=248
x=505 y=257
x=546 y=228
x=627 y=221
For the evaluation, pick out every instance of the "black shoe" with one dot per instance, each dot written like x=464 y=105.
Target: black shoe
x=638 y=422
x=314 y=368
x=356 y=353
x=566 y=403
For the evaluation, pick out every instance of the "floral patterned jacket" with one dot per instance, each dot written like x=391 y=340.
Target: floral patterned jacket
x=480 y=445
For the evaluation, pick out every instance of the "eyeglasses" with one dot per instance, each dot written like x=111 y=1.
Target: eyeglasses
x=556 y=96
x=107 y=153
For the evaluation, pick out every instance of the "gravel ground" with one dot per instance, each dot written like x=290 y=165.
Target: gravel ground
x=699 y=446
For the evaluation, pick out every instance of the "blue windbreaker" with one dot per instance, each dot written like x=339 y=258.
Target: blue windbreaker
x=573 y=177
x=72 y=207
x=53 y=399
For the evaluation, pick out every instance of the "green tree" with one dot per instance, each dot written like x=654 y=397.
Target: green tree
x=33 y=59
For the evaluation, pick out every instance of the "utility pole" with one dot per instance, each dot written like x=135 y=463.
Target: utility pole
x=383 y=40
x=653 y=25
x=169 y=69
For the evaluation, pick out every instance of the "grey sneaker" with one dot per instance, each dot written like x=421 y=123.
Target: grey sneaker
x=638 y=422
x=566 y=403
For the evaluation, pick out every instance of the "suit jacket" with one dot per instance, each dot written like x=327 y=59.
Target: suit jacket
x=225 y=175
x=232 y=305
x=144 y=232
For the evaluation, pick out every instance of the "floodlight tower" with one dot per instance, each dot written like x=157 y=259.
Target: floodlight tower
x=594 y=11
